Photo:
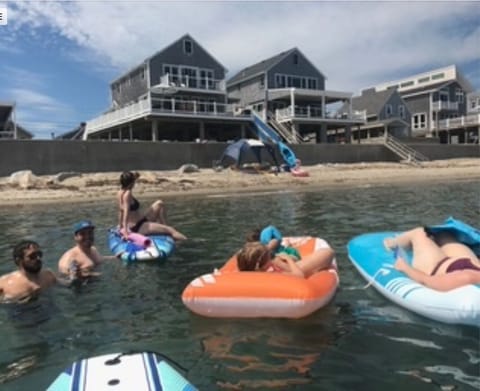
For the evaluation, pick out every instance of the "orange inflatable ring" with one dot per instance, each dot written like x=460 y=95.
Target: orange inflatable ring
x=230 y=293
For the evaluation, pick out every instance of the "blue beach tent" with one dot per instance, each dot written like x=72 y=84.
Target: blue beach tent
x=246 y=151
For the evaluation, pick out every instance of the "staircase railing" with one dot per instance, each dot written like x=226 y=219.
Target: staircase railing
x=288 y=135
x=404 y=151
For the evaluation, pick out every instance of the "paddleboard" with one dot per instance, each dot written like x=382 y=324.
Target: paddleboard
x=376 y=264
x=121 y=372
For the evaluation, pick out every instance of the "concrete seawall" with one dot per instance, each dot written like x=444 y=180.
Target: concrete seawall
x=46 y=157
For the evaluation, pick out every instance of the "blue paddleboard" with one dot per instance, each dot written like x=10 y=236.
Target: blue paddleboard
x=376 y=264
x=121 y=372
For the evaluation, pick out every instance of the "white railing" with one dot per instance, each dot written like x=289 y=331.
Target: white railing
x=119 y=116
x=199 y=83
x=316 y=112
x=195 y=107
x=442 y=105
x=452 y=123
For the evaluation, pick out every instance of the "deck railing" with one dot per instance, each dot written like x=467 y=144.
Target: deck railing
x=442 y=105
x=315 y=112
x=452 y=123
x=186 y=81
x=167 y=106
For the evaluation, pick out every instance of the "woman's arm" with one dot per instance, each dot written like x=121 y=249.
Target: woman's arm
x=288 y=265
x=441 y=282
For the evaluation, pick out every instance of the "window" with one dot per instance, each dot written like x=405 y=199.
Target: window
x=188 y=47
x=424 y=79
x=295 y=59
x=401 y=111
x=407 y=84
x=388 y=110
x=459 y=95
x=443 y=96
x=438 y=76
x=419 y=121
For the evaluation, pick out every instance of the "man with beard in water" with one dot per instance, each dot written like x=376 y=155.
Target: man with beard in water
x=78 y=262
x=29 y=280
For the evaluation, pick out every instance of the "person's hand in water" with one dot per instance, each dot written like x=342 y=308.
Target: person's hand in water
x=389 y=243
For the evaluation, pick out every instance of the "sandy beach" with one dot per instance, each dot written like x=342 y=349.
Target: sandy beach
x=74 y=187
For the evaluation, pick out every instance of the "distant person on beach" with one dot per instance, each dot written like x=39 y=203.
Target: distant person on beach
x=30 y=279
x=130 y=219
x=439 y=261
x=255 y=256
x=80 y=261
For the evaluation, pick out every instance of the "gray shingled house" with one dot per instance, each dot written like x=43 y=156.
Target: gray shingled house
x=176 y=94
x=385 y=112
x=289 y=92
x=437 y=103
x=9 y=129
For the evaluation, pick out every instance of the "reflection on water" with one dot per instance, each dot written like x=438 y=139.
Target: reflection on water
x=359 y=341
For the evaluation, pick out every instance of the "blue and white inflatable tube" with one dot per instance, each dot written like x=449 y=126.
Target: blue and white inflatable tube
x=160 y=248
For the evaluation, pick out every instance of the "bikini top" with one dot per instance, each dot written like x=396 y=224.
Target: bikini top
x=135 y=205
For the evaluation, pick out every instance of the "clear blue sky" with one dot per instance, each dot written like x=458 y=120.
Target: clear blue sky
x=57 y=58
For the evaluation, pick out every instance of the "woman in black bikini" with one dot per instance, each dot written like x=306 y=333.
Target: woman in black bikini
x=439 y=261
x=131 y=220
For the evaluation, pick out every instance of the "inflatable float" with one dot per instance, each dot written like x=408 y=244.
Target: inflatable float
x=230 y=293
x=375 y=264
x=140 y=248
x=121 y=372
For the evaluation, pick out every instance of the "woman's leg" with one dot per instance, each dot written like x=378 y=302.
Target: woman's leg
x=157 y=213
x=318 y=260
x=426 y=253
x=157 y=228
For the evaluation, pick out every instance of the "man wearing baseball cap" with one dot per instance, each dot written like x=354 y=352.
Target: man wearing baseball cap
x=80 y=261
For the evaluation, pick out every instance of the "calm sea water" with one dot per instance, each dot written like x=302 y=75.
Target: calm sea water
x=359 y=342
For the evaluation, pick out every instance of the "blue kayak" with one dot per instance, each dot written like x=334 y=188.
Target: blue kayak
x=159 y=248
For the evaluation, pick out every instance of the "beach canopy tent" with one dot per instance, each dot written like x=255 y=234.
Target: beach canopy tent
x=245 y=152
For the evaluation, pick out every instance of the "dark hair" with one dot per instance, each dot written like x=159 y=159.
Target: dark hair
x=19 y=249
x=254 y=235
x=253 y=256
x=128 y=178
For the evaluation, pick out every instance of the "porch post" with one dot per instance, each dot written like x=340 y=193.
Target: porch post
x=348 y=134
x=292 y=102
x=242 y=131
x=201 y=131
x=130 y=131
x=154 y=130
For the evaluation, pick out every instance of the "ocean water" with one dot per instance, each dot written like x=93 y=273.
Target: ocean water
x=360 y=341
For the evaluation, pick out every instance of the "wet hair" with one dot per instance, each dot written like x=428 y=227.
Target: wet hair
x=253 y=235
x=252 y=256
x=19 y=249
x=128 y=178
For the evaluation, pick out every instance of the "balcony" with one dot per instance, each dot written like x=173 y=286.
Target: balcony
x=444 y=105
x=170 y=84
x=166 y=107
x=472 y=120
x=315 y=112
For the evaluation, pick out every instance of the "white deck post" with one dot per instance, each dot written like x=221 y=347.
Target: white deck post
x=292 y=102
x=154 y=130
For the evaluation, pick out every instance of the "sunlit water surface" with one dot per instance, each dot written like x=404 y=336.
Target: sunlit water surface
x=360 y=341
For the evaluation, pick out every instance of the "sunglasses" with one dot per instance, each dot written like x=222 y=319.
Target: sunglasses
x=34 y=255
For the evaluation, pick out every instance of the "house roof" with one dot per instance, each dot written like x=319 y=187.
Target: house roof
x=5 y=111
x=372 y=101
x=259 y=67
x=74 y=134
x=147 y=60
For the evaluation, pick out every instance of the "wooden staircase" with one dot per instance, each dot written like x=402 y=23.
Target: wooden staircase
x=402 y=150
x=285 y=132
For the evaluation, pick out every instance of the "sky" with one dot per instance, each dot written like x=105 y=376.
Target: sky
x=57 y=58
